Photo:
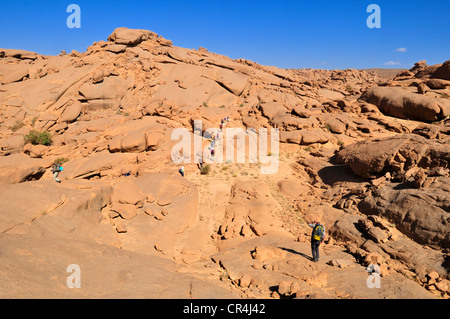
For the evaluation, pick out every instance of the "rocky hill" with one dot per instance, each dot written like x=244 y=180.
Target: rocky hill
x=367 y=155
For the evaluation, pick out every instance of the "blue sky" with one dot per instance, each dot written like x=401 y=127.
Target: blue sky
x=321 y=34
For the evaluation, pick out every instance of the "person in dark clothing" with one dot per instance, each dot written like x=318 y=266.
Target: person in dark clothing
x=127 y=173
x=317 y=237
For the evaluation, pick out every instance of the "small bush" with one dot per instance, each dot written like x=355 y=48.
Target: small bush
x=35 y=138
x=120 y=112
x=205 y=169
x=60 y=160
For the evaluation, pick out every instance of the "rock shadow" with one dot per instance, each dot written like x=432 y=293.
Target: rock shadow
x=339 y=173
x=296 y=252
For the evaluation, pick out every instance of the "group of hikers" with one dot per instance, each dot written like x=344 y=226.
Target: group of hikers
x=318 y=230
x=216 y=135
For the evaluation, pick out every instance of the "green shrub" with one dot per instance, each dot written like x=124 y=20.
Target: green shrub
x=60 y=160
x=35 y=138
x=205 y=169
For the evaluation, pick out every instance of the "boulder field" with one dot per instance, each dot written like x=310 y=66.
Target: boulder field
x=365 y=152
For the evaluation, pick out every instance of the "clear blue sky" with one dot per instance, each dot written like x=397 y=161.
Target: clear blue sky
x=326 y=34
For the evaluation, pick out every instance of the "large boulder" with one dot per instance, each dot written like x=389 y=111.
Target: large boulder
x=109 y=88
x=270 y=109
x=402 y=103
x=12 y=144
x=127 y=192
x=315 y=135
x=99 y=164
x=10 y=73
x=437 y=83
x=18 y=168
x=232 y=81
x=130 y=37
x=396 y=155
x=133 y=142
x=139 y=140
x=71 y=112
x=442 y=72
x=18 y=54
x=421 y=214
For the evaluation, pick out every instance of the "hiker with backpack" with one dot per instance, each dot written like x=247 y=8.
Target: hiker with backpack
x=56 y=168
x=317 y=237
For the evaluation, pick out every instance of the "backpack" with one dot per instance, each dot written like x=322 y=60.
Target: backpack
x=318 y=232
x=56 y=168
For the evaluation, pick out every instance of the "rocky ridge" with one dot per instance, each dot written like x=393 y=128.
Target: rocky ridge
x=369 y=156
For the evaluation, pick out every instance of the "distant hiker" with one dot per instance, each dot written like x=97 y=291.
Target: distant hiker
x=221 y=121
x=200 y=163
x=56 y=168
x=221 y=125
x=127 y=173
x=212 y=154
x=317 y=236
x=181 y=170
